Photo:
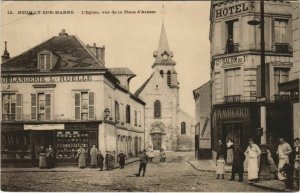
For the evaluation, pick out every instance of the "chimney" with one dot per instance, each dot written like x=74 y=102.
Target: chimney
x=98 y=52
x=63 y=33
x=5 y=55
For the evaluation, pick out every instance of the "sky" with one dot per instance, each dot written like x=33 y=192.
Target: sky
x=129 y=38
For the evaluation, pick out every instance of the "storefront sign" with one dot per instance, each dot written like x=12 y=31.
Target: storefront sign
x=231 y=60
x=81 y=126
x=205 y=133
x=232 y=112
x=47 y=79
x=11 y=127
x=231 y=10
x=39 y=127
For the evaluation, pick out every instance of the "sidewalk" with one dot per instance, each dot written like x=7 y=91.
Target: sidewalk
x=61 y=168
x=210 y=166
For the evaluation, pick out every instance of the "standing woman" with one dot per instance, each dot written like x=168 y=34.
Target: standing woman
x=229 y=158
x=100 y=159
x=94 y=152
x=42 y=158
x=162 y=155
x=150 y=153
x=253 y=154
x=121 y=159
x=81 y=157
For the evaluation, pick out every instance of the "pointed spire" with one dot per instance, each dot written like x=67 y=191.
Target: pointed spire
x=163 y=45
x=5 y=55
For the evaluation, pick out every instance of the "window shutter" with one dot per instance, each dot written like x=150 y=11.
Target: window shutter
x=47 y=106
x=77 y=106
x=91 y=105
x=236 y=32
x=19 y=107
x=33 y=107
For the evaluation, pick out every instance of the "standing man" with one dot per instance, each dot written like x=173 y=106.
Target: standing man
x=121 y=159
x=93 y=153
x=107 y=160
x=253 y=154
x=237 y=163
x=143 y=163
x=220 y=149
x=283 y=151
x=100 y=159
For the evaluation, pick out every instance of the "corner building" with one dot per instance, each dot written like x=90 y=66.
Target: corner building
x=235 y=70
x=60 y=93
x=166 y=125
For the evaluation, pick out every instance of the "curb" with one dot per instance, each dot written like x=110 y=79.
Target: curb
x=270 y=188
x=203 y=170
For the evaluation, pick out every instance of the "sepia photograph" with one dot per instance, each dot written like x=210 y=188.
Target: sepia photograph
x=150 y=96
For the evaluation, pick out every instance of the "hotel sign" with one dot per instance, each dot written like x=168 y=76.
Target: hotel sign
x=233 y=60
x=43 y=127
x=46 y=79
x=231 y=10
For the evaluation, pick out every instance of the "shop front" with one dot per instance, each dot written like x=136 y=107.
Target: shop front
x=21 y=142
x=238 y=122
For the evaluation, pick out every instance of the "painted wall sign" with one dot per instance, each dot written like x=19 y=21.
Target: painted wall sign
x=234 y=112
x=45 y=127
x=47 y=79
x=231 y=60
x=231 y=10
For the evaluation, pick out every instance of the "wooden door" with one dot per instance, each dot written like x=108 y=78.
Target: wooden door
x=156 y=141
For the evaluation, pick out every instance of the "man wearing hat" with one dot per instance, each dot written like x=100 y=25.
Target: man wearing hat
x=143 y=163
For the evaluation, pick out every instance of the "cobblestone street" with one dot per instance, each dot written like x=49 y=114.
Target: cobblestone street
x=174 y=175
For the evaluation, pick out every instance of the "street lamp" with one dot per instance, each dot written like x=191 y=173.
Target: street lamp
x=264 y=172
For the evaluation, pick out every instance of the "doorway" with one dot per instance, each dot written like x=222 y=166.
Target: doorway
x=43 y=138
x=233 y=131
x=156 y=141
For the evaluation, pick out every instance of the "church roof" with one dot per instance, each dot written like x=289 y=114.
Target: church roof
x=121 y=71
x=71 y=54
x=138 y=92
x=163 y=48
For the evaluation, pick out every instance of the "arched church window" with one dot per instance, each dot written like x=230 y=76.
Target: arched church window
x=183 y=128
x=161 y=73
x=157 y=109
x=169 y=78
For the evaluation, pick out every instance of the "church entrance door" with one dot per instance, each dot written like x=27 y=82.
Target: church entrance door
x=156 y=141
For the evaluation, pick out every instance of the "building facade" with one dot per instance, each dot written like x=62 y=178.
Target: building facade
x=235 y=70
x=203 y=135
x=166 y=125
x=60 y=93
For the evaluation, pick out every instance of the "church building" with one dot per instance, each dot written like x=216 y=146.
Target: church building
x=166 y=125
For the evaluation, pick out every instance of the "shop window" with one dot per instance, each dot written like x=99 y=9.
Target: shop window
x=41 y=106
x=45 y=61
x=281 y=35
x=232 y=36
x=135 y=118
x=169 y=78
x=84 y=105
x=128 y=114
x=11 y=106
x=233 y=82
x=280 y=75
x=183 y=128
x=117 y=111
x=157 y=109
x=68 y=143
x=15 y=145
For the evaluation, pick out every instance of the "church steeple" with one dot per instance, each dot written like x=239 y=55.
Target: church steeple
x=163 y=55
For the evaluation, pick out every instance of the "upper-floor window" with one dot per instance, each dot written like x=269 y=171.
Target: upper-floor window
x=280 y=75
x=117 y=111
x=169 y=78
x=127 y=113
x=140 y=118
x=232 y=36
x=135 y=118
x=45 y=61
x=161 y=73
x=122 y=117
x=84 y=105
x=41 y=106
x=183 y=128
x=281 y=35
x=233 y=82
x=157 y=109
x=11 y=106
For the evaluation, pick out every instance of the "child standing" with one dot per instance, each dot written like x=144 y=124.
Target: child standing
x=220 y=167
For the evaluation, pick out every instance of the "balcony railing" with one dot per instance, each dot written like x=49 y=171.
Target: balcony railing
x=232 y=48
x=282 y=47
x=232 y=99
